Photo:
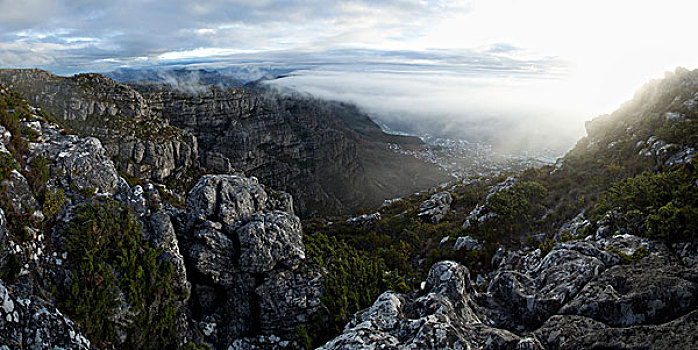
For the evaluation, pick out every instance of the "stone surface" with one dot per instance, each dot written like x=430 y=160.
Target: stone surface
x=436 y=207
x=246 y=256
x=365 y=219
x=78 y=163
x=268 y=240
x=576 y=296
x=31 y=323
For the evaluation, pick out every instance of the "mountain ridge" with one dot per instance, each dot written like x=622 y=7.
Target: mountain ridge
x=308 y=141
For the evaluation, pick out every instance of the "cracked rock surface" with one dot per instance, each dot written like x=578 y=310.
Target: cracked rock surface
x=576 y=296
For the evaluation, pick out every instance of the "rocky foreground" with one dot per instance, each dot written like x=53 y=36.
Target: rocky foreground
x=578 y=296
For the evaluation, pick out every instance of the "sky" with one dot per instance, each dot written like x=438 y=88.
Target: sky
x=498 y=66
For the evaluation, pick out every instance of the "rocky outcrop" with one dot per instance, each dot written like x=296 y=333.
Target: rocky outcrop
x=141 y=143
x=365 y=219
x=34 y=324
x=576 y=296
x=245 y=255
x=436 y=207
x=78 y=163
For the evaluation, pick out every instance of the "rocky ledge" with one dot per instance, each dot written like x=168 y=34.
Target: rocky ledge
x=579 y=295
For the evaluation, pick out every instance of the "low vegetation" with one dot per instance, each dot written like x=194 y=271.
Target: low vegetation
x=115 y=270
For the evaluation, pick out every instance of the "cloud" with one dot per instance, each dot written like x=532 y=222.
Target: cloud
x=505 y=105
x=131 y=29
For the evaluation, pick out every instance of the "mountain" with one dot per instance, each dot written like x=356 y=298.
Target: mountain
x=177 y=78
x=233 y=76
x=331 y=157
x=596 y=251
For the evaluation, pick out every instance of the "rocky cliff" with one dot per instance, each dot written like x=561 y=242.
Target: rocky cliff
x=331 y=157
x=141 y=143
x=126 y=265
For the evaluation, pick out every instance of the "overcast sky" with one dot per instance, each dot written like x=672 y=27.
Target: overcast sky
x=564 y=61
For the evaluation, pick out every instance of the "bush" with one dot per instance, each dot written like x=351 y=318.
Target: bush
x=352 y=282
x=661 y=206
x=53 y=202
x=111 y=262
x=7 y=165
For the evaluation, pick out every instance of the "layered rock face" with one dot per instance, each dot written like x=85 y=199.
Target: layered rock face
x=329 y=156
x=141 y=143
x=577 y=296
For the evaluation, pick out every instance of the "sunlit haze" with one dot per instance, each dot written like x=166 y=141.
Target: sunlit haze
x=505 y=68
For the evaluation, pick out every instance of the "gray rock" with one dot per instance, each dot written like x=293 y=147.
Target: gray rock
x=213 y=253
x=268 y=240
x=162 y=235
x=365 y=219
x=439 y=317
x=577 y=296
x=436 y=207
x=19 y=194
x=80 y=163
x=467 y=242
x=287 y=299
x=245 y=255
x=31 y=323
x=227 y=198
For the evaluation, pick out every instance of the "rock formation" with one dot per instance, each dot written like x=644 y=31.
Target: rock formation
x=141 y=143
x=576 y=296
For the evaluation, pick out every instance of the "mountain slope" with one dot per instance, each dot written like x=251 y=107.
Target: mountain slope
x=328 y=155
x=596 y=250
x=331 y=157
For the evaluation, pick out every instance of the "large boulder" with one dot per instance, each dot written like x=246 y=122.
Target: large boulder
x=245 y=246
x=78 y=163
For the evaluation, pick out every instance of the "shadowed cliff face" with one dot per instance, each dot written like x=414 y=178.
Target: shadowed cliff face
x=328 y=155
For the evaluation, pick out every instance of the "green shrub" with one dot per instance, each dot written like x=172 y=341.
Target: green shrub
x=7 y=165
x=353 y=280
x=661 y=206
x=516 y=207
x=673 y=223
x=53 y=202
x=109 y=257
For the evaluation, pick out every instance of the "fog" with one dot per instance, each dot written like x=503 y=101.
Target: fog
x=515 y=112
